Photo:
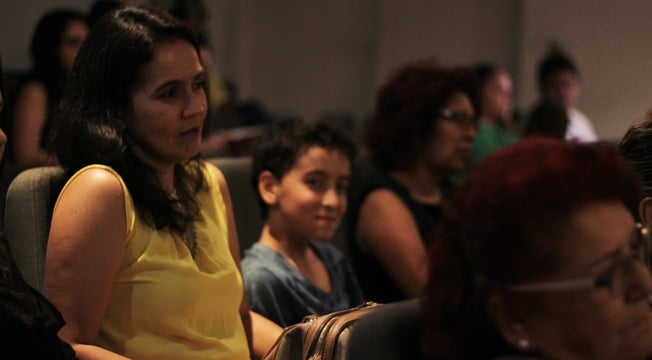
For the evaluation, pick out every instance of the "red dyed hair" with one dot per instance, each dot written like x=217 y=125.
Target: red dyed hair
x=502 y=223
x=405 y=110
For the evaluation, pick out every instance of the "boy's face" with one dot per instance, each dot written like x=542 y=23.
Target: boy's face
x=310 y=199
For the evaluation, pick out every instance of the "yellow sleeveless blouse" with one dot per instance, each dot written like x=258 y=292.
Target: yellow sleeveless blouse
x=167 y=305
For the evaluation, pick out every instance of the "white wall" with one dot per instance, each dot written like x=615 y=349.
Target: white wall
x=18 y=20
x=453 y=31
x=610 y=41
x=303 y=57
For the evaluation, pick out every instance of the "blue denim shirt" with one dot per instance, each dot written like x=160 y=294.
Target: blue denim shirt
x=279 y=292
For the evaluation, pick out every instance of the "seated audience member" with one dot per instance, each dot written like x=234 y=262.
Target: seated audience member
x=3 y=122
x=547 y=119
x=28 y=321
x=55 y=43
x=301 y=174
x=559 y=83
x=496 y=128
x=421 y=132
x=142 y=256
x=536 y=262
x=636 y=148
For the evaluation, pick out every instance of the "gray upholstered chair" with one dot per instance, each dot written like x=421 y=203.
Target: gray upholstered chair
x=246 y=208
x=29 y=202
x=28 y=210
x=393 y=332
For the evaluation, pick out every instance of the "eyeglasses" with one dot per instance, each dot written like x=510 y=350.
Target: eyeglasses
x=618 y=279
x=462 y=119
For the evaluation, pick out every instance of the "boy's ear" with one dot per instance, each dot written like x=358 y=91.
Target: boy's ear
x=268 y=187
x=645 y=210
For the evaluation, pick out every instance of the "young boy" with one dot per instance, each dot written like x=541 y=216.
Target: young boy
x=301 y=173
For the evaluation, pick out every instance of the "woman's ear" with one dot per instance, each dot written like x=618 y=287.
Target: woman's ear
x=645 y=210
x=507 y=321
x=268 y=187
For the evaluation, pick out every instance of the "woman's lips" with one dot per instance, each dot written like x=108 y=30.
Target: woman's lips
x=191 y=132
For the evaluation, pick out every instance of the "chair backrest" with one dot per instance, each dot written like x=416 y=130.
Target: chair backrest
x=29 y=202
x=393 y=332
x=28 y=210
x=246 y=208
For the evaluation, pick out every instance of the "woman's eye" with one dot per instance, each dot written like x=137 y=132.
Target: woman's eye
x=199 y=84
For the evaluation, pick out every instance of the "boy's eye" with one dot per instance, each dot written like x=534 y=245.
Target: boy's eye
x=342 y=188
x=315 y=183
x=167 y=93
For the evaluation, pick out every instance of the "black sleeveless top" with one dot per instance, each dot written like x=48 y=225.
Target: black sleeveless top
x=28 y=321
x=377 y=285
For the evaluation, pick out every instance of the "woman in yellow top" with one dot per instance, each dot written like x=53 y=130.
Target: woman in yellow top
x=143 y=258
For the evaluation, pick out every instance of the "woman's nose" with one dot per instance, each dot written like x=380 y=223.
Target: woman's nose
x=196 y=105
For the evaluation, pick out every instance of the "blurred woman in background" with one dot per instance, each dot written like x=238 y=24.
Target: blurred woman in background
x=54 y=46
x=422 y=131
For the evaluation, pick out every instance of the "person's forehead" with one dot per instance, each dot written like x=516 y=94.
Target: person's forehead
x=596 y=231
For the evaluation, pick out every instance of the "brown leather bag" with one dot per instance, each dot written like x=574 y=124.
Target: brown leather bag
x=318 y=337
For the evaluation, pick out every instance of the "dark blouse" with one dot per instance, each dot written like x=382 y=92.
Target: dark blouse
x=377 y=285
x=28 y=321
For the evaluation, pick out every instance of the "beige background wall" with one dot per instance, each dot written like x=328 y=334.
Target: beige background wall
x=612 y=43
x=309 y=57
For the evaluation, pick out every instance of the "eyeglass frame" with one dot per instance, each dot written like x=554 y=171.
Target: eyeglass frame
x=461 y=119
x=641 y=253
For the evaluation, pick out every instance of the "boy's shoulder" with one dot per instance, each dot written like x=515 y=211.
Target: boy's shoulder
x=263 y=262
x=259 y=255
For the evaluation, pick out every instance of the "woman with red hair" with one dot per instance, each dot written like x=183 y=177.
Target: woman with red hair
x=422 y=131
x=538 y=256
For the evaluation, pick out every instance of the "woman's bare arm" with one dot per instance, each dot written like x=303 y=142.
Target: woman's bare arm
x=30 y=114
x=85 y=251
x=387 y=230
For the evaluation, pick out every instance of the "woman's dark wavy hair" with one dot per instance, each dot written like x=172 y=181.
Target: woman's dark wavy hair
x=636 y=148
x=501 y=224
x=106 y=70
x=404 y=117
x=283 y=141
x=44 y=49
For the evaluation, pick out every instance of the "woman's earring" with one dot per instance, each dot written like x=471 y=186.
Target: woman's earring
x=523 y=344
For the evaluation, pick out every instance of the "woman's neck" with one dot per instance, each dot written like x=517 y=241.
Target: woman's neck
x=423 y=185
x=166 y=179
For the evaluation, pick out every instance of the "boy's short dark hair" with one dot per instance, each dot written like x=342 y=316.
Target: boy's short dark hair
x=279 y=147
x=552 y=63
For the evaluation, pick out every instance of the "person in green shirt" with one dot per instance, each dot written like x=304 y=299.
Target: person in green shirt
x=496 y=128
